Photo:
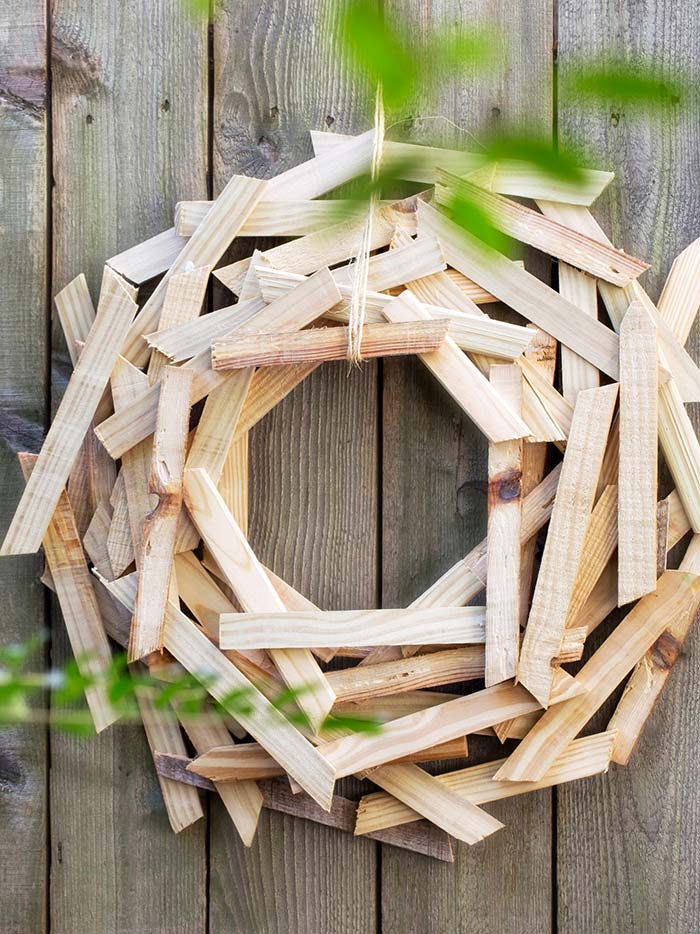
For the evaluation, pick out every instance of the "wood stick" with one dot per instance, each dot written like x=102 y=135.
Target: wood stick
x=681 y=449
x=418 y=163
x=165 y=481
x=582 y=758
x=556 y=413
x=148 y=259
x=561 y=557
x=294 y=601
x=220 y=677
x=234 y=483
x=319 y=344
x=650 y=675
x=76 y=313
x=71 y=422
x=273 y=217
x=677 y=595
x=663 y=522
x=549 y=236
x=95 y=541
x=81 y=615
x=637 y=550
x=336 y=628
x=680 y=297
x=581 y=290
x=183 y=300
x=461 y=378
x=253 y=589
x=411 y=259
x=527 y=295
x=599 y=544
x=503 y=539
x=120 y=547
x=437 y=724
x=182 y=803
x=206 y=246
x=270 y=385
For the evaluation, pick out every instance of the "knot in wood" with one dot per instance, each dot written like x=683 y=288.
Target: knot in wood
x=505 y=487
x=665 y=651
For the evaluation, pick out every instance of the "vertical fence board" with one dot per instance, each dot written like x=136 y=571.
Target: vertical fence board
x=628 y=841
x=23 y=358
x=313 y=460
x=434 y=493
x=129 y=138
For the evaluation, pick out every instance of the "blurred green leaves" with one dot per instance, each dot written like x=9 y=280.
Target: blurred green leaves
x=618 y=82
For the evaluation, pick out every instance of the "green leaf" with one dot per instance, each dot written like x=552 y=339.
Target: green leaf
x=198 y=8
x=355 y=724
x=469 y=215
x=538 y=152
x=622 y=82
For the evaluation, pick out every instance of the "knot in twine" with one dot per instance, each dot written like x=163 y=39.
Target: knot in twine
x=358 y=299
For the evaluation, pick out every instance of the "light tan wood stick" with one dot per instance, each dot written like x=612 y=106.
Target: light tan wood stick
x=182 y=803
x=120 y=547
x=243 y=800
x=549 y=236
x=638 y=456
x=183 y=300
x=156 y=558
x=680 y=298
x=294 y=601
x=81 y=615
x=508 y=177
x=650 y=675
x=582 y=758
x=76 y=313
x=319 y=344
x=71 y=422
x=95 y=541
x=206 y=246
x=563 y=548
x=663 y=522
x=148 y=259
x=336 y=628
x=503 y=539
x=250 y=761
x=253 y=589
x=273 y=218
x=217 y=425
x=190 y=646
x=234 y=483
x=681 y=449
x=599 y=546
x=302 y=306
x=408 y=674
x=530 y=297
x=547 y=411
x=437 y=724
x=413 y=258
x=581 y=290
x=677 y=595
x=462 y=379
x=270 y=385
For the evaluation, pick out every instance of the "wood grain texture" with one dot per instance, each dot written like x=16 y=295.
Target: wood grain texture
x=113 y=188
x=639 y=846
x=23 y=373
x=434 y=496
x=313 y=498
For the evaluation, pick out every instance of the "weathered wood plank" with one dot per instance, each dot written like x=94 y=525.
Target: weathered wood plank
x=23 y=362
x=434 y=502
x=129 y=141
x=650 y=813
x=313 y=492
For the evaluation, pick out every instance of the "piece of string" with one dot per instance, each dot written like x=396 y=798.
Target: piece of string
x=358 y=299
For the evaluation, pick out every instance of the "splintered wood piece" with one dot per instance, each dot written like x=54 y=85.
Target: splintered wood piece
x=462 y=379
x=328 y=247
x=293 y=312
x=681 y=449
x=541 y=401
x=677 y=596
x=254 y=590
x=163 y=733
x=250 y=761
x=183 y=300
x=582 y=758
x=76 y=313
x=431 y=799
x=650 y=675
x=319 y=344
x=408 y=674
x=428 y=839
x=185 y=340
x=576 y=373
x=234 y=483
x=663 y=521
x=95 y=541
x=638 y=470
x=416 y=163
x=205 y=247
x=273 y=218
x=599 y=544
x=71 y=422
x=549 y=236
x=337 y=628
x=526 y=294
x=680 y=298
x=503 y=539
x=196 y=653
x=165 y=481
x=148 y=259
x=563 y=548
x=120 y=547
x=73 y=584
x=435 y=725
